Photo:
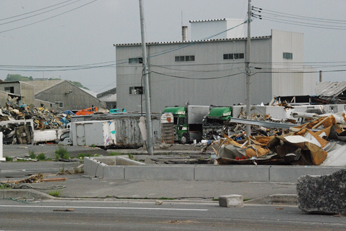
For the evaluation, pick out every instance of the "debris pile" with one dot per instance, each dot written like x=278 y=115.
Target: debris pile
x=312 y=143
x=16 y=125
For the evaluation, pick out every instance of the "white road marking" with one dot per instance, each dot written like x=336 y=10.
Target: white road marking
x=114 y=208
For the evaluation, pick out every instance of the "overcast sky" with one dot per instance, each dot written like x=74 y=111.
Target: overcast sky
x=73 y=35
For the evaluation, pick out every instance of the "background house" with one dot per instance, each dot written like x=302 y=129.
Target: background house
x=109 y=97
x=65 y=95
x=212 y=72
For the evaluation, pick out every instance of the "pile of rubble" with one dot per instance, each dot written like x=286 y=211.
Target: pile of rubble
x=319 y=142
x=18 y=122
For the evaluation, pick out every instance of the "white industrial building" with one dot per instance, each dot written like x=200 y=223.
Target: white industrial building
x=212 y=72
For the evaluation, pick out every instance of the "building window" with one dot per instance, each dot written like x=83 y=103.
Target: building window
x=185 y=58
x=9 y=89
x=136 y=90
x=59 y=103
x=233 y=56
x=136 y=60
x=287 y=55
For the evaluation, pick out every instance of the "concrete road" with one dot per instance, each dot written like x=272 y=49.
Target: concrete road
x=93 y=215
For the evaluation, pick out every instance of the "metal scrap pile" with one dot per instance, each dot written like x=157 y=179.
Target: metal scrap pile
x=313 y=143
x=15 y=122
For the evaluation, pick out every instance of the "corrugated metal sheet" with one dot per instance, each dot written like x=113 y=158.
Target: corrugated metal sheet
x=193 y=41
x=330 y=89
x=208 y=20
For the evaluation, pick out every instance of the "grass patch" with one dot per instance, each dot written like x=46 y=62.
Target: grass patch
x=55 y=193
x=82 y=155
x=62 y=153
x=215 y=199
x=8 y=159
x=41 y=157
x=5 y=186
x=115 y=154
x=165 y=198
x=32 y=155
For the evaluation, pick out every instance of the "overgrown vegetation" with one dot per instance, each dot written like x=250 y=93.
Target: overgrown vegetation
x=62 y=153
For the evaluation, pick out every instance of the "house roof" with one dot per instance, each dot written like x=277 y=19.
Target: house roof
x=109 y=98
x=330 y=89
x=41 y=85
x=192 y=41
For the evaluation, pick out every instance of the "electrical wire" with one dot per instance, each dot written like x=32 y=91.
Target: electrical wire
x=31 y=16
x=30 y=24
x=19 y=15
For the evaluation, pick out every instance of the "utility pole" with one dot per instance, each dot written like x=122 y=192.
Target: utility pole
x=150 y=148
x=248 y=71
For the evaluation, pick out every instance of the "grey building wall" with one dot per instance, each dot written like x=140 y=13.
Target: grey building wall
x=208 y=80
x=3 y=98
x=15 y=85
x=46 y=104
x=27 y=93
x=69 y=97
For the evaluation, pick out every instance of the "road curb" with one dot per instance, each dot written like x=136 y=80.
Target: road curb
x=24 y=193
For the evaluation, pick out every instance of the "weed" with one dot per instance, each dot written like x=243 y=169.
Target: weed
x=8 y=158
x=96 y=155
x=166 y=198
x=62 y=153
x=62 y=170
x=82 y=155
x=55 y=193
x=130 y=156
x=41 y=156
x=4 y=186
x=78 y=170
x=115 y=154
x=215 y=199
x=32 y=155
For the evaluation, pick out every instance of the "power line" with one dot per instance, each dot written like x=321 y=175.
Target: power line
x=16 y=16
x=16 y=28
x=31 y=16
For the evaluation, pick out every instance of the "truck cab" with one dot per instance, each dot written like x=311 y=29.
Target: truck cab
x=214 y=121
x=188 y=122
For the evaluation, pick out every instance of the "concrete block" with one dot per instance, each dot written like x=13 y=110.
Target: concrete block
x=292 y=173
x=99 y=172
x=233 y=200
x=323 y=194
x=232 y=173
x=87 y=165
x=126 y=161
x=114 y=172
x=160 y=172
